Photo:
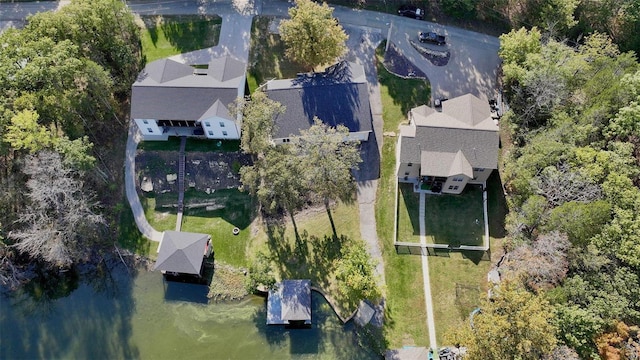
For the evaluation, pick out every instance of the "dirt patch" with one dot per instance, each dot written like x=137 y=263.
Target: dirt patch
x=204 y=171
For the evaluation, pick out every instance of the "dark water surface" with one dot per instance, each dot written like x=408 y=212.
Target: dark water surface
x=141 y=316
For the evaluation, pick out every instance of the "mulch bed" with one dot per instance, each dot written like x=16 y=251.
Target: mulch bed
x=397 y=64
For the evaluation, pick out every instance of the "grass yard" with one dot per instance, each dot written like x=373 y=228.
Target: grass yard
x=455 y=219
x=129 y=236
x=266 y=55
x=237 y=212
x=311 y=255
x=405 y=312
x=449 y=219
x=167 y=35
x=408 y=216
x=457 y=283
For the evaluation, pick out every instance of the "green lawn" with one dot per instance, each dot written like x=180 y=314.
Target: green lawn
x=237 y=212
x=266 y=55
x=168 y=35
x=312 y=255
x=405 y=312
x=449 y=219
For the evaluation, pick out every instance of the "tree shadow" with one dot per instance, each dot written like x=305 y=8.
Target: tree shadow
x=189 y=33
x=412 y=203
x=496 y=206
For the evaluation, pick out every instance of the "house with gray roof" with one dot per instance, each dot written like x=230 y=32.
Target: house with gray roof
x=445 y=150
x=338 y=96
x=174 y=99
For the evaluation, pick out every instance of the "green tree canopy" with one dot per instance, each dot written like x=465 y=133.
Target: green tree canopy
x=312 y=35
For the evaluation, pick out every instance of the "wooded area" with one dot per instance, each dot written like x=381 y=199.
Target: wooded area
x=65 y=80
x=571 y=171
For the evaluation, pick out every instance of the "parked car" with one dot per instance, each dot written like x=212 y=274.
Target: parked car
x=431 y=37
x=411 y=11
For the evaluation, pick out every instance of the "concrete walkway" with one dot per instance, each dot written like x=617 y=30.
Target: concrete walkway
x=431 y=325
x=130 y=186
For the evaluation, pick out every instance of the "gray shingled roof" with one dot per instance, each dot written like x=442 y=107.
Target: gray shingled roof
x=339 y=96
x=181 y=252
x=169 y=90
x=290 y=301
x=434 y=163
x=465 y=125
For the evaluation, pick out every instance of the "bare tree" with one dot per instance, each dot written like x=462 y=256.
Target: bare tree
x=59 y=221
x=541 y=265
x=560 y=185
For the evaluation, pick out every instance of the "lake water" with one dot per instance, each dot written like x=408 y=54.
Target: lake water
x=141 y=316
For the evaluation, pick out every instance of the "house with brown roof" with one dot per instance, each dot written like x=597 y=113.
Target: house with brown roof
x=443 y=151
x=175 y=99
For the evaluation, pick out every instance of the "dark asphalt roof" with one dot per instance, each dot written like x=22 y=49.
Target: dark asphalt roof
x=339 y=96
x=169 y=90
x=464 y=124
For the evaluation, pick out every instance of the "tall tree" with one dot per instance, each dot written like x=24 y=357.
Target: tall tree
x=60 y=221
x=258 y=123
x=514 y=324
x=329 y=159
x=312 y=35
x=105 y=32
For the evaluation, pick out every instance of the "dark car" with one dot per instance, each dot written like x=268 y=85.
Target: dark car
x=411 y=11
x=431 y=37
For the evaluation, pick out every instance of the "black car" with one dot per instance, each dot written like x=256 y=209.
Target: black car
x=430 y=36
x=411 y=11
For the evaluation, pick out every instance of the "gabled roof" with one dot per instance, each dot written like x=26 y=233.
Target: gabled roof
x=290 y=301
x=169 y=90
x=434 y=163
x=217 y=109
x=181 y=252
x=464 y=125
x=338 y=96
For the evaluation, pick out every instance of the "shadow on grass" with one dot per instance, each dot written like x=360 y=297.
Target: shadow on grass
x=497 y=206
x=266 y=55
x=129 y=237
x=407 y=93
x=412 y=203
x=193 y=144
x=455 y=219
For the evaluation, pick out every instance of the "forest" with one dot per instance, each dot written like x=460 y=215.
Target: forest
x=65 y=81
x=571 y=166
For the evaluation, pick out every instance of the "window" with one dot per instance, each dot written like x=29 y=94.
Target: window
x=221 y=124
x=224 y=133
x=478 y=169
x=406 y=174
x=210 y=133
x=285 y=140
x=150 y=130
x=458 y=179
x=450 y=187
x=410 y=164
x=145 y=122
x=455 y=188
x=207 y=124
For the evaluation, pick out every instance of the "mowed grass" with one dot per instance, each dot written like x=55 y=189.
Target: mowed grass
x=455 y=219
x=237 y=212
x=408 y=203
x=314 y=252
x=405 y=322
x=166 y=35
x=266 y=55
x=449 y=219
